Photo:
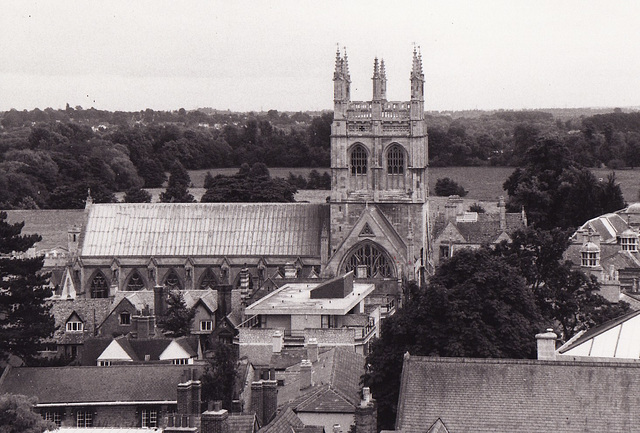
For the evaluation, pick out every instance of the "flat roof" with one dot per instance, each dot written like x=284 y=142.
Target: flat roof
x=294 y=298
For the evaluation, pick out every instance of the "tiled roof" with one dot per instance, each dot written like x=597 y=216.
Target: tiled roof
x=242 y=423
x=52 y=225
x=284 y=422
x=204 y=229
x=489 y=395
x=125 y=383
x=145 y=298
x=91 y=311
x=485 y=230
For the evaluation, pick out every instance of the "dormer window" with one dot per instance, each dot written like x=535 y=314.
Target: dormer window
x=75 y=327
x=125 y=318
x=629 y=241
x=590 y=259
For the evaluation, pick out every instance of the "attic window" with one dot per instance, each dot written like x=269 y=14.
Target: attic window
x=180 y=361
x=125 y=318
x=590 y=259
x=629 y=244
x=74 y=326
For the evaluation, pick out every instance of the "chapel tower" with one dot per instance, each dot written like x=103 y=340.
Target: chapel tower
x=379 y=187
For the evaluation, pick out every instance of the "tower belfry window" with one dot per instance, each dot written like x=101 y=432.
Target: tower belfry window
x=395 y=160
x=358 y=161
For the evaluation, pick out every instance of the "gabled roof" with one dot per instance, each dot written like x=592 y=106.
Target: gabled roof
x=284 y=422
x=52 y=225
x=203 y=229
x=91 y=311
x=145 y=298
x=122 y=383
x=485 y=230
x=242 y=423
x=489 y=395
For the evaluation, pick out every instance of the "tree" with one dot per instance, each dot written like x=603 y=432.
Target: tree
x=250 y=185
x=446 y=187
x=475 y=305
x=219 y=375
x=25 y=320
x=176 y=322
x=476 y=207
x=179 y=181
x=17 y=415
x=137 y=195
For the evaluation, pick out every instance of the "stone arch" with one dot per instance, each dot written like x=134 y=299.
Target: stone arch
x=99 y=286
x=208 y=280
x=134 y=281
x=373 y=257
x=172 y=280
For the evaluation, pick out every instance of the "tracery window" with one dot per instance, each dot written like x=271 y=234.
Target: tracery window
x=99 y=286
x=172 y=281
x=135 y=282
x=208 y=281
x=395 y=160
x=377 y=262
x=358 y=161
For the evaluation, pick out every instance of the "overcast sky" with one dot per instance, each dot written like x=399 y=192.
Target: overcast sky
x=261 y=55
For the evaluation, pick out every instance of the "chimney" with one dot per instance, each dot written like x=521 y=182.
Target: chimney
x=337 y=428
x=277 y=341
x=196 y=397
x=547 y=345
x=184 y=398
x=224 y=299
x=366 y=416
x=269 y=400
x=503 y=213
x=141 y=327
x=257 y=400
x=244 y=282
x=451 y=207
x=215 y=421
x=159 y=300
x=312 y=350
x=305 y=374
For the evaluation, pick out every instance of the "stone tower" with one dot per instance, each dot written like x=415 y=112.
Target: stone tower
x=379 y=176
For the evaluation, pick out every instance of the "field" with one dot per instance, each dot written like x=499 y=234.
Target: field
x=483 y=183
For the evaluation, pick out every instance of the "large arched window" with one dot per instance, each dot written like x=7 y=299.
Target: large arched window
x=208 y=280
x=135 y=282
x=99 y=286
x=370 y=258
x=172 y=281
x=358 y=161
x=395 y=160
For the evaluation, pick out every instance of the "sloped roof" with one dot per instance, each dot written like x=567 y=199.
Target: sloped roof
x=485 y=230
x=52 y=225
x=284 y=422
x=145 y=298
x=125 y=383
x=91 y=311
x=204 y=229
x=489 y=395
x=242 y=423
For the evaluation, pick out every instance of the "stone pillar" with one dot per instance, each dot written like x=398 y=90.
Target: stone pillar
x=547 y=345
x=257 y=400
x=269 y=400
x=215 y=421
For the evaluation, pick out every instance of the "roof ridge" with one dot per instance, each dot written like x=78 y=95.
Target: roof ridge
x=462 y=360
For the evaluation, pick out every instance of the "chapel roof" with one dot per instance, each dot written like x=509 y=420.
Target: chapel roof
x=204 y=229
x=488 y=395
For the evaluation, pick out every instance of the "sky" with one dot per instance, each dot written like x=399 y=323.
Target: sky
x=262 y=55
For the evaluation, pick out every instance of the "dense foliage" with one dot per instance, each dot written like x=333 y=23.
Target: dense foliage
x=486 y=303
x=557 y=191
x=176 y=321
x=219 y=375
x=446 y=187
x=178 y=188
x=17 y=415
x=25 y=320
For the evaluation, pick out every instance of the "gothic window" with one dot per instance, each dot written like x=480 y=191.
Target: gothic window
x=395 y=160
x=99 y=286
x=208 y=281
x=358 y=161
x=368 y=256
x=135 y=282
x=172 y=281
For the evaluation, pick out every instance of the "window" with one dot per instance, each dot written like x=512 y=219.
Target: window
x=73 y=352
x=395 y=160
x=125 y=318
x=172 y=281
x=84 y=418
x=445 y=251
x=358 y=161
x=53 y=415
x=135 y=282
x=75 y=326
x=206 y=325
x=149 y=418
x=629 y=244
x=208 y=281
x=104 y=363
x=376 y=262
x=327 y=321
x=180 y=361
x=99 y=286
x=590 y=259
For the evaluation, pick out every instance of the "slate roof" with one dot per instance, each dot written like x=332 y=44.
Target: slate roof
x=138 y=348
x=240 y=423
x=145 y=298
x=124 y=383
x=91 y=311
x=204 y=229
x=485 y=230
x=52 y=225
x=489 y=395
x=284 y=422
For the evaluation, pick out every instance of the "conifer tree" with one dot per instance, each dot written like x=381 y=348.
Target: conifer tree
x=24 y=315
x=178 y=189
x=176 y=322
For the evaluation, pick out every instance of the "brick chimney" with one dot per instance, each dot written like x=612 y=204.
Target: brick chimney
x=159 y=300
x=224 y=299
x=277 y=341
x=312 y=350
x=305 y=374
x=196 y=397
x=269 y=400
x=257 y=400
x=547 y=345
x=189 y=396
x=215 y=421
x=366 y=416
